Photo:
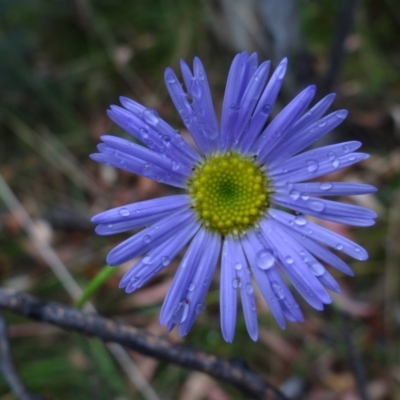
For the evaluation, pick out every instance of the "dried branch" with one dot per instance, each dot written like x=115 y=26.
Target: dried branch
x=237 y=374
x=7 y=366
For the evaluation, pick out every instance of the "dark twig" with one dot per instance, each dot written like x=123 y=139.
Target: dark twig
x=245 y=379
x=7 y=367
x=354 y=357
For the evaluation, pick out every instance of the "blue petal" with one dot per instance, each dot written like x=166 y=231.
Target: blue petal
x=264 y=107
x=253 y=250
x=184 y=276
x=325 y=188
x=229 y=285
x=288 y=252
x=320 y=234
x=202 y=279
x=142 y=209
x=157 y=258
x=326 y=209
x=150 y=237
x=276 y=132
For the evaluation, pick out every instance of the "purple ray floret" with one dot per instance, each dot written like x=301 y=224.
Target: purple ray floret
x=265 y=242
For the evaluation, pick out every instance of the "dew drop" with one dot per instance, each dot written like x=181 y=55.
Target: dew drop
x=109 y=226
x=238 y=266
x=199 y=308
x=289 y=259
x=339 y=246
x=146 y=260
x=278 y=290
x=331 y=156
x=165 y=261
x=170 y=78
x=151 y=116
x=317 y=206
x=357 y=249
x=316 y=268
x=341 y=114
x=325 y=186
x=294 y=194
x=144 y=133
x=175 y=166
x=124 y=212
x=191 y=287
x=166 y=140
x=322 y=123
x=236 y=283
x=249 y=288
x=335 y=163
x=300 y=220
x=195 y=88
x=265 y=259
x=312 y=165
x=266 y=109
x=235 y=107
x=346 y=148
x=305 y=196
x=147 y=239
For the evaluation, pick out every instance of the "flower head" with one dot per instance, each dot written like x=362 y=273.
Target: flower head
x=246 y=193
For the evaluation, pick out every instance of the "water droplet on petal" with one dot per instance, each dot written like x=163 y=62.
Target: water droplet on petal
x=166 y=140
x=146 y=260
x=331 y=156
x=236 y=283
x=325 y=186
x=312 y=165
x=317 y=205
x=289 y=259
x=170 y=78
x=357 y=249
x=336 y=163
x=294 y=194
x=165 y=261
x=341 y=114
x=265 y=259
x=339 y=246
x=109 y=226
x=151 y=116
x=317 y=269
x=305 y=196
x=346 y=148
x=300 y=220
x=191 y=287
x=199 y=308
x=266 y=109
x=147 y=239
x=124 y=212
x=249 y=288
x=321 y=123
x=195 y=88
x=278 y=290
x=238 y=266
x=143 y=132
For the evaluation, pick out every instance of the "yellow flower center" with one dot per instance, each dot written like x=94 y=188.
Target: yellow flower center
x=229 y=192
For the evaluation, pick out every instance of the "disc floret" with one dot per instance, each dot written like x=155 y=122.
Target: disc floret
x=229 y=192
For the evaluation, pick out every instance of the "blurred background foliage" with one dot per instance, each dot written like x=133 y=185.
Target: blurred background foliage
x=62 y=63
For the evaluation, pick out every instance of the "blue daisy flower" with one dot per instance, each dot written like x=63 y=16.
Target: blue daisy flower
x=247 y=187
